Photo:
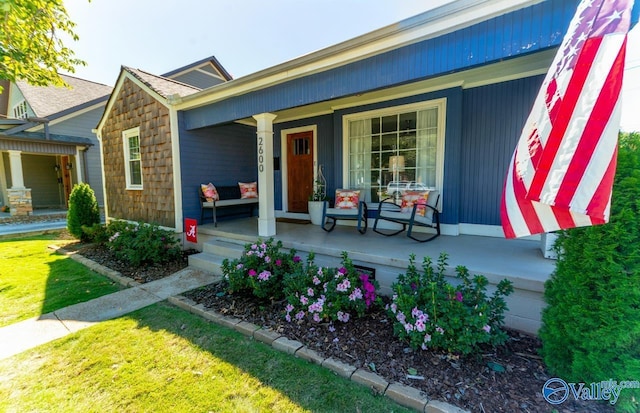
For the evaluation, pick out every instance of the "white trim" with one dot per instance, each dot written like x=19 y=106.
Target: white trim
x=130 y=133
x=69 y=116
x=105 y=196
x=177 y=170
x=440 y=103
x=23 y=105
x=433 y=23
x=283 y=159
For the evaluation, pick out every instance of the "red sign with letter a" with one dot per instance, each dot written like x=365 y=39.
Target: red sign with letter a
x=191 y=229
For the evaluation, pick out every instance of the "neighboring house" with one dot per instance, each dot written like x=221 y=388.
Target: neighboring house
x=47 y=144
x=139 y=132
x=448 y=90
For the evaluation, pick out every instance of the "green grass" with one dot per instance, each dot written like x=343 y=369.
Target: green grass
x=35 y=280
x=162 y=358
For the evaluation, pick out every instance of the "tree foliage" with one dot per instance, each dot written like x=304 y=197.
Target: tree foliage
x=30 y=46
x=591 y=327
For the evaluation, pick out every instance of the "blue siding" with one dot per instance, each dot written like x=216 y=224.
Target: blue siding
x=222 y=155
x=492 y=121
x=523 y=31
x=453 y=130
x=325 y=143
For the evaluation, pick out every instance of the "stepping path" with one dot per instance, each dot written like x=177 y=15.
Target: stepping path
x=27 y=334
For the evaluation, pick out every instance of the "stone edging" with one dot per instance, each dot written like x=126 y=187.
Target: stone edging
x=401 y=394
x=404 y=395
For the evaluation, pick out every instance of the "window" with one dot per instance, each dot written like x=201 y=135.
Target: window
x=132 y=158
x=20 y=110
x=395 y=149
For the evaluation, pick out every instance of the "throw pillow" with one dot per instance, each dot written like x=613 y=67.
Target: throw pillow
x=210 y=192
x=411 y=198
x=248 y=189
x=346 y=199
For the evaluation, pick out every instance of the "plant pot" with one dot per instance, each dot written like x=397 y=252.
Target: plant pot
x=315 y=212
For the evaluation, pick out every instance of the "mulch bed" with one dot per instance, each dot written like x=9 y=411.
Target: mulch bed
x=471 y=383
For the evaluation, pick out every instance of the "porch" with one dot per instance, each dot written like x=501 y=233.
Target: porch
x=520 y=261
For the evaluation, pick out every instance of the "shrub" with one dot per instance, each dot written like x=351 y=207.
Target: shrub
x=431 y=313
x=328 y=294
x=261 y=270
x=141 y=243
x=83 y=210
x=95 y=233
x=591 y=326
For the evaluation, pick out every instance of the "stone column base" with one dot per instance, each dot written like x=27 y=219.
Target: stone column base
x=20 y=201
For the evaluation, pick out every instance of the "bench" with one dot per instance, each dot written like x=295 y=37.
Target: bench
x=229 y=196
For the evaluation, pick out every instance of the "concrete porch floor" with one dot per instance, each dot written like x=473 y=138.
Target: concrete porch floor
x=496 y=258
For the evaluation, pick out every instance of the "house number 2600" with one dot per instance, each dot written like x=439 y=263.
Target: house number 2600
x=260 y=154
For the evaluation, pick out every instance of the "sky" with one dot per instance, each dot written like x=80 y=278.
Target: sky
x=246 y=36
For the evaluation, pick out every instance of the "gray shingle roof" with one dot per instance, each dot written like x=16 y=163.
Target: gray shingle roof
x=49 y=100
x=163 y=86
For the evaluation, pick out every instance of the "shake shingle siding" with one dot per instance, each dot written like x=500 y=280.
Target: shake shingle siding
x=132 y=108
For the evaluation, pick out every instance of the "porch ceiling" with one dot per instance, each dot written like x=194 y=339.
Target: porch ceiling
x=516 y=68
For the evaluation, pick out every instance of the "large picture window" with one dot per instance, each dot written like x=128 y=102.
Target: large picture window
x=396 y=149
x=132 y=158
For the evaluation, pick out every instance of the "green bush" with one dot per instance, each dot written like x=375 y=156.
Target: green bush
x=328 y=294
x=591 y=326
x=431 y=313
x=261 y=270
x=141 y=243
x=83 y=210
x=95 y=233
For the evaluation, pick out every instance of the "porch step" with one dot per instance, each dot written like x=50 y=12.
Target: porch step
x=214 y=252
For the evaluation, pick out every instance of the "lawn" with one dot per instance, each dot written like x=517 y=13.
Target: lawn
x=162 y=358
x=35 y=280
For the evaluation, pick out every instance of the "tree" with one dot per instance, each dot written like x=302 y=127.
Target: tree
x=30 y=46
x=83 y=210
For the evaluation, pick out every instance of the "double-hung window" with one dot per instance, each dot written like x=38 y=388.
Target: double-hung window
x=20 y=110
x=132 y=158
x=395 y=149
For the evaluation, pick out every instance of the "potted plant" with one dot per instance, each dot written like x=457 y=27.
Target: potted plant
x=317 y=198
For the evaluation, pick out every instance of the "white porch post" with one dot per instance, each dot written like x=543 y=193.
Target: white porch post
x=267 y=218
x=15 y=162
x=79 y=167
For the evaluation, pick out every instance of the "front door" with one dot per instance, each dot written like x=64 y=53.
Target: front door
x=66 y=166
x=299 y=170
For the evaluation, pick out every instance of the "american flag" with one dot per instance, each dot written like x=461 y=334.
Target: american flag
x=561 y=173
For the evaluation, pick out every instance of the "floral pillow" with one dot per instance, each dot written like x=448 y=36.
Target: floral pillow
x=411 y=198
x=248 y=189
x=210 y=192
x=346 y=199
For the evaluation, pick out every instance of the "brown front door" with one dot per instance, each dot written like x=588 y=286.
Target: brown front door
x=65 y=166
x=299 y=170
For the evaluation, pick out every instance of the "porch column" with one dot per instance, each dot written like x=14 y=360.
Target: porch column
x=15 y=163
x=267 y=218
x=78 y=165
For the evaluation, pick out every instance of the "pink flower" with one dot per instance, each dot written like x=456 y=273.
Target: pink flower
x=267 y=259
x=296 y=259
x=394 y=308
x=304 y=300
x=288 y=317
x=254 y=247
x=440 y=330
x=344 y=317
x=289 y=308
x=355 y=295
x=408 y=327
x=401 y=317
x=278 y=262
x=344 y=285
x=300 y=315
x=427 y=338
x=332 y=329
x=342 y=270
x=239 y=266
x=316 y=281
x=310 y=292
x=458 y=296
x=487 y=328
x=264 y=276
x=316 y=317
x=252 y=273
x=420 y=326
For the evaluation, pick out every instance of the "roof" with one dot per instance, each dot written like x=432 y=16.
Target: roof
x=42 y=137
x=163 y=86
x=50 y=100
x=212 y=60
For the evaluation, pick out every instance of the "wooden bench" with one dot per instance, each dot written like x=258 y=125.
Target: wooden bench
x=229 y=196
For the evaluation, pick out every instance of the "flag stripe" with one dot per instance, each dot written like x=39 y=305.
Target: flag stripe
x=598 y=209
x=592 y=133
x=561 y=122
